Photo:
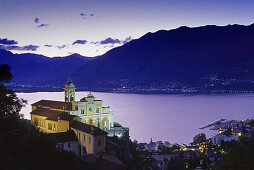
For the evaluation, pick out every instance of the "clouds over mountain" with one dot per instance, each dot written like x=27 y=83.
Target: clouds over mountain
x=110 y=41
x=47 y=45
x=61 y=46
x=12 y=45
x=79 y=42
x=7 y=42
x=19 y=48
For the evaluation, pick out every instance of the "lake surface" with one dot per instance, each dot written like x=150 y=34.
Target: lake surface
x=173 y=118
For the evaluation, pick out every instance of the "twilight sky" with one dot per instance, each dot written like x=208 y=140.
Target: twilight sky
x=92 y=27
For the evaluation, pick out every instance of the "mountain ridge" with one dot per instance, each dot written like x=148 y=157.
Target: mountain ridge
x=200 y=58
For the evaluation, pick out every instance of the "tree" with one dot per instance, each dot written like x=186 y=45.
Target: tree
x=23 y=146
x=199 y=138
x=240 y=157
x=5 y=74
x=10 y=104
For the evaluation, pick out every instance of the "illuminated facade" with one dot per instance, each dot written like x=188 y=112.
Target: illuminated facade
x=87 y=118
x=88 y=110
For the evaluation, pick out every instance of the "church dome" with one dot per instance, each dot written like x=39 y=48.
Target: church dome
x=90 y=95
x=71 y=84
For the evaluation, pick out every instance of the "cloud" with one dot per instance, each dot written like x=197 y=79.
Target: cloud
x=7 y=42
x=128 y=39
x=110 y=41
x=82 y=14
x=46 y=45
x=42 y=25
x=20 y=48
x=36 y=20
x=95 y=42
x=61 y=46
x=79 y=42
x=85 y=16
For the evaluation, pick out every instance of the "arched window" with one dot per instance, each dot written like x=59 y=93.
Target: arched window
x=49 y=126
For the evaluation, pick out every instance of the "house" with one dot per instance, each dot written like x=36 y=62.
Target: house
x=66 y=141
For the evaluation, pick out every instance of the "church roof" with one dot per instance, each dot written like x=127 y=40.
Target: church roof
x=52 y=114
x=90 y=95
x=83 y=99
x=90 y=129
x=53 y=104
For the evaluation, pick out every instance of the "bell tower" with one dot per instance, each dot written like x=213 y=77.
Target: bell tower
x=69 y=90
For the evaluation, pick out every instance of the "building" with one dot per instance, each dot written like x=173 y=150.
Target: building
x=88 y=110
x=219 y=138
x=66 y=141
x=91 y=139
x=51 y=116
x=87 y=118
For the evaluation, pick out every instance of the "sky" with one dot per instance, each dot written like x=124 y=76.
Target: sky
x=92 y=27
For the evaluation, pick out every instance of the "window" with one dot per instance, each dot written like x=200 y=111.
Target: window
x=69 y=145
x=98 y=110
x=84 y=138
x=76 y=108
x=99 y=142
x=54 y=127
x=49 y=126
x=35 y=121
x=82 y=111
x=60 y=146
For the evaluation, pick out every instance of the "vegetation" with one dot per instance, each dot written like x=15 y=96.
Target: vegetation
x=22 y=146
x=239 y=157
x=199 y=138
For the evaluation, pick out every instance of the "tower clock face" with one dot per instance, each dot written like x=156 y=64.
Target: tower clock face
x=90 y=109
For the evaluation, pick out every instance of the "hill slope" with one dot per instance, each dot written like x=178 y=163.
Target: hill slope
x=38 y=70
x=183 y=56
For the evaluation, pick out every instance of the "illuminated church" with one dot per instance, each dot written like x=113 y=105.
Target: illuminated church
x=87 y=118
x=88 y=110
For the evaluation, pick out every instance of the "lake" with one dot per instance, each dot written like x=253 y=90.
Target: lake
x=173 y=118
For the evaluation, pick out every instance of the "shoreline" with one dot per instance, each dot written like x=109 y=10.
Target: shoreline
x=142 y=91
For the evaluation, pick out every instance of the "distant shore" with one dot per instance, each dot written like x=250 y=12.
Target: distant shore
x=136 y=91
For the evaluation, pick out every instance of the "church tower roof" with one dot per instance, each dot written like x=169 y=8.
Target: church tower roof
x=69 y=82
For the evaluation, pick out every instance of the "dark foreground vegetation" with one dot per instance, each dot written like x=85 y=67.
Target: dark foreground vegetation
x=22 y=146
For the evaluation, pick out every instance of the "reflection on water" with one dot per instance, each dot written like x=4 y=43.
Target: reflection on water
x=173 y=118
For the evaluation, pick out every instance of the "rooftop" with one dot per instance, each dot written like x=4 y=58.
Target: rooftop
x=90 y=129
x=52 y=114
x=53 y=104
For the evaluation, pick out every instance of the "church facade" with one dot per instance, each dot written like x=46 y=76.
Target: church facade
x=89 y=120
x=88 y=110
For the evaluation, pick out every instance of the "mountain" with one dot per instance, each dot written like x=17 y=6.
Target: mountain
x=200 y=58
x=38 y=70
x=182 y=57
